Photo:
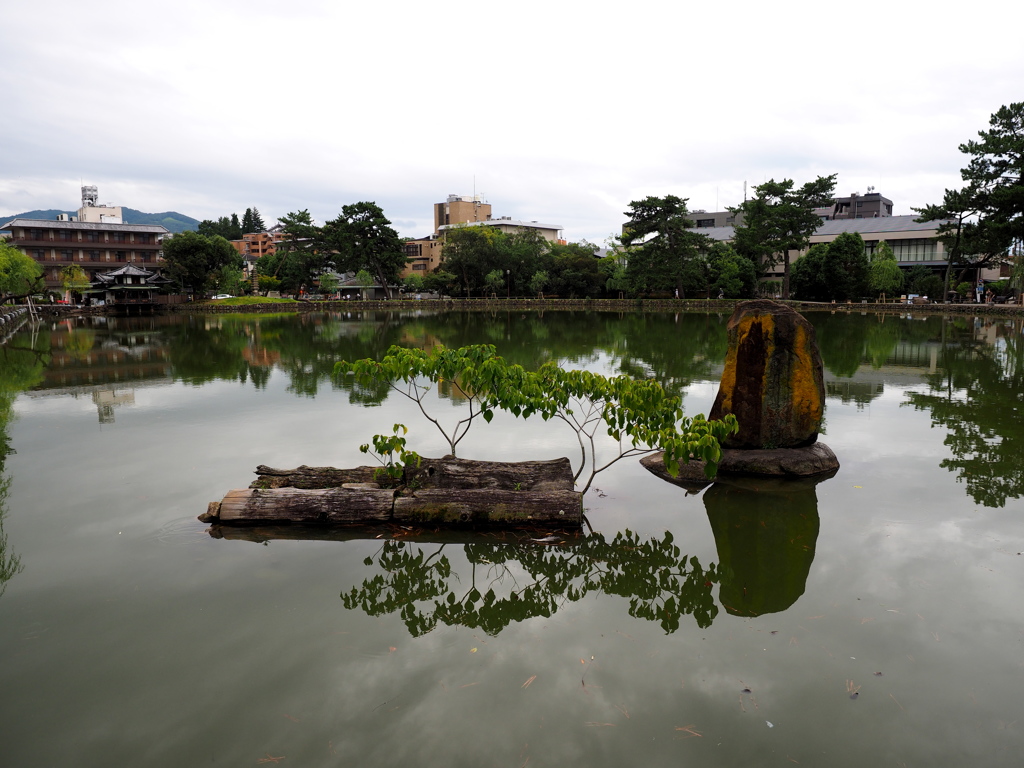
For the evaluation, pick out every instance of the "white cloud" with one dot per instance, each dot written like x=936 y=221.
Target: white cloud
x=559 y=112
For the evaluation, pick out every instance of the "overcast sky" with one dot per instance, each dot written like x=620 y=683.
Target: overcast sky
x=557 y=111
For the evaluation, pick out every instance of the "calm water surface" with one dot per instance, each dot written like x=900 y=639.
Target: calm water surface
x=872 y=619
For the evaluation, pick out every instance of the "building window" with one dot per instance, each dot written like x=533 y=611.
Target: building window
x=67 y=255
x=38 y=254
x=918 y=249
x=422 y=267
x=860 y=203
x=122 y=256
x=702 y=223
x=94 y=255
x=65 y=235
x=92 y=237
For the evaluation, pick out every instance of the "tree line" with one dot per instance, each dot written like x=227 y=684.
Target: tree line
x=660 y=251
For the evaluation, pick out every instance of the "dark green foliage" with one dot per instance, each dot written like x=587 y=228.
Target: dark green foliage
x=836 y=271
x=885 y=273
x=975 y=395
x=252 y=221
x=363 y=238
x=226 y=227
x=472 y=252
x=730 y=274
x=20 y=275
x=659 y=581
x=665 y=250
x=299 y=258
x=198 y=263
x=984 y=220
x=780 y=219
x=575 y=272
x=924 y=282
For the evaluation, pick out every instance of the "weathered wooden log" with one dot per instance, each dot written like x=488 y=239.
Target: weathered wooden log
x=430 y=507
x=303 y=505
x=452 y=472
x=310 y=477
x=446 y=472
x=490 y=506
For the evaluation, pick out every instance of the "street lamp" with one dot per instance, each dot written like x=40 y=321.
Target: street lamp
x=508 y=284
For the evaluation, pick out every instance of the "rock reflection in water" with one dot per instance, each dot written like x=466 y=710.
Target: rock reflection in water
x=765 y=532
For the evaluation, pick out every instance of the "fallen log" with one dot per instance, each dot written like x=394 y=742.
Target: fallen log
x=438 y=492
x=446 y=472
x=490 y=506
x=430 y=507
x=310 y=477
x=303 y=505
x=452 y=472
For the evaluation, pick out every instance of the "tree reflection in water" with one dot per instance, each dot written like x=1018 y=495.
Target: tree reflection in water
x=508 y=583
x=975 y=396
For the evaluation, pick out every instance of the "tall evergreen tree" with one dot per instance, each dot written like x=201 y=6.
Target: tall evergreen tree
x=779 y=219
x=362 y=238
x=984 y=220
x=667 y=247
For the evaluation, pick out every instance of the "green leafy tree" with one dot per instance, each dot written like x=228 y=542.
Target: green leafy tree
x=638 y=414
x=267 y=283
x=20 y=275
x=837 y=271
x=227 y=227
x=494 y=281
x=413 y=283
x=780 y=219
x=666 y=245
x=300 y=257
x=364 y=280
x=470 y=253
x=575 y=270
x=363 y=238
x=197 y=262
x=329 y=283
x=74 y=279
x=731 y=275
x=539 y=282
x=886 y=276
x=439 y=282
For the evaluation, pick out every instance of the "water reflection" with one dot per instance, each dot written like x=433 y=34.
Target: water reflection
x=765 y=535
x=975 y=395
x=970 y=368
x=22 y=363
x=505 y=583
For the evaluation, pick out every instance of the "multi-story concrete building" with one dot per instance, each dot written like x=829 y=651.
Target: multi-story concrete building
x=96 y=240
x=424 y=253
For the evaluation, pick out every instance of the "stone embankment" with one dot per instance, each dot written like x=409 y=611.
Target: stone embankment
x=593 y=305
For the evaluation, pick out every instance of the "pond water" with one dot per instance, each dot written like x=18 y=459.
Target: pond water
x=872 y=619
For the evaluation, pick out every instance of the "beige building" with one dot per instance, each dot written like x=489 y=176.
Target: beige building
x=424 y=253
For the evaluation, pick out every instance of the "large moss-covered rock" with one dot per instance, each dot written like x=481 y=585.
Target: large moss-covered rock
x=772 y=381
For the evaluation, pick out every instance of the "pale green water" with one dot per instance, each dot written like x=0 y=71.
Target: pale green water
x=130 y=636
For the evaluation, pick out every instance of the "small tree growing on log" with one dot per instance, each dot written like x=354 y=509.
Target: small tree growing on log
x=637 y=414
x=390 y=451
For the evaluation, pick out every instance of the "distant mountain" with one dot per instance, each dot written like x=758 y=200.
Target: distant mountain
x=174 y=221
